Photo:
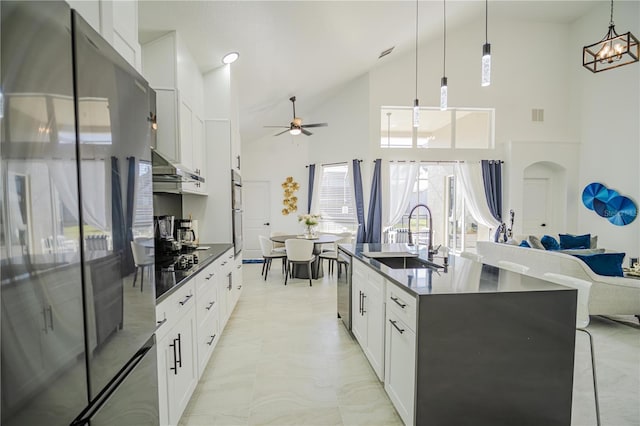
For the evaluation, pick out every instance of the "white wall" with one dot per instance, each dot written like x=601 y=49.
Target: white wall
x=608 y=104
x=535 y=65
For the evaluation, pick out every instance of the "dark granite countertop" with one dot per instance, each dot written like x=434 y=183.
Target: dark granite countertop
x=460 y=276
x=168 y=282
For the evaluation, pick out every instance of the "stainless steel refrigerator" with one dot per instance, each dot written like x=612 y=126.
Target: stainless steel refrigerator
x=78 y=344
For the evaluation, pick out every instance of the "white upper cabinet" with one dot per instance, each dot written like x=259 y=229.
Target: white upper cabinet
x=174 y=75
x=117 y=22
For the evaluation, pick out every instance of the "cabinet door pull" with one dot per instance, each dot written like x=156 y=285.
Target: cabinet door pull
x=186 y=299
x=209 y=276
x=395 y=299
x=174 y=345
x=239 y=266
x=364 y=311
x=210 y=342
x=208 y=308
x=360 y=302
x=394 y=323
x=239 y=287
x=179 y=350
x=51 y=317
x=160 y=323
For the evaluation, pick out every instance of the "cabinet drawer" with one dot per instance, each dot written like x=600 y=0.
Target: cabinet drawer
x=206 y=304
x=402 y=304
x=208 y=336
x=206 y=278
x=169 y=311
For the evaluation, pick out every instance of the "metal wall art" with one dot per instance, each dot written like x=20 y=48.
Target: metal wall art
x=290 y=201
x=609 y=204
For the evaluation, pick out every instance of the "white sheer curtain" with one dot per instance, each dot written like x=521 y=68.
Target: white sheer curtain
x=401 y=180
x=472 y=185
x=64 y=177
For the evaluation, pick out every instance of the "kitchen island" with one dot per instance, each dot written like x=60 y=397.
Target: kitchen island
x=465 y=343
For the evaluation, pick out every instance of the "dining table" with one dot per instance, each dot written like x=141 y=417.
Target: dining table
x=300 y=271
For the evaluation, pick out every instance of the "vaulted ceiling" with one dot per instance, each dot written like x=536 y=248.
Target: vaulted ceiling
x=307 y=48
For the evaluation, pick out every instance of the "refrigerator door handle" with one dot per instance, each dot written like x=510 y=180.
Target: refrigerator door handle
x=44 y=317
x=51 y=317
x=94 y=406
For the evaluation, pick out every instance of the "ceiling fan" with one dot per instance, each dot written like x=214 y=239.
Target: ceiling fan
x=296 y=127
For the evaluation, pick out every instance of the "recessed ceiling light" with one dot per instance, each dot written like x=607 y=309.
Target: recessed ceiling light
x=230 y=58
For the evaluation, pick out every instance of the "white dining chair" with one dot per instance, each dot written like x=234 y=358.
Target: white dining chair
x=299 y=251
x=582 y=320
x=278 y=246
x=142 y=257
x=332 y=255
x=268 y=254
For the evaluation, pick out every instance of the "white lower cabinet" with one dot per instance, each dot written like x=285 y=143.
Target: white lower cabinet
x=177 y=361
x=399 y=369
x=190 y=324
x=368 y=288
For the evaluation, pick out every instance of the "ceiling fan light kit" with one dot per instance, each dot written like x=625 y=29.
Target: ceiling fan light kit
x=612 y=51
x=296 y=127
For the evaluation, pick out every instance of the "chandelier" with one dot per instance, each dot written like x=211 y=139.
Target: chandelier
x=612 y=51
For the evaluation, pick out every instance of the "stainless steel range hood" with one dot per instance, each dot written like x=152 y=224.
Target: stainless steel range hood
x=165 y=170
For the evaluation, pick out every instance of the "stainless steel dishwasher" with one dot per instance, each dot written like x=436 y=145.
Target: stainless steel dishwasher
x=344 y=287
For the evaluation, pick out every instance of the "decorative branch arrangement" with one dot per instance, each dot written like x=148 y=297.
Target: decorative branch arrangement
x=290 y=201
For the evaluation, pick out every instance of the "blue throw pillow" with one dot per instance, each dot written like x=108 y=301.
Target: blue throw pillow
x=607 y=264
x=524 y=243
x=550 y=243
x=568 y=241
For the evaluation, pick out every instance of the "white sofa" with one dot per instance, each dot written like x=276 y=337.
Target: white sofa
x=609 y=295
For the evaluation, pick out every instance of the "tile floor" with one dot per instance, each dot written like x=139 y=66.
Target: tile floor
x=285 y=359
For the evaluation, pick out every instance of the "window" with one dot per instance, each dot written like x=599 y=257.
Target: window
x=143 y=214
x=458 y=128
x=336 y=199
x=434 y=185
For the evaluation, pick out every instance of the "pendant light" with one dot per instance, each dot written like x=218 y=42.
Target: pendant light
x=486 y=49
x=612 y=51
x=443 y=81
x=416 y=107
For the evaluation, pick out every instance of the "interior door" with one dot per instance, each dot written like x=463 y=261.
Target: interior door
x=257 y=207
x=537 y=206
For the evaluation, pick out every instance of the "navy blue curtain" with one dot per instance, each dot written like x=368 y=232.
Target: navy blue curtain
x=117 y=214
x=357 y=187
x=374 y=219
x=128 y=265
x=492 y=178
x=312 y=175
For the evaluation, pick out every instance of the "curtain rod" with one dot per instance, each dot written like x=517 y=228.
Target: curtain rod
x=438 y=161
x=334 y=164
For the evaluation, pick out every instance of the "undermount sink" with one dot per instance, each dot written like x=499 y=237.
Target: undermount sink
x=407 y=262
x=387 y=254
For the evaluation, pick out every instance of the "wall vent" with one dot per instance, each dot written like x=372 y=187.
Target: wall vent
x=386 y=52
x=537 y=115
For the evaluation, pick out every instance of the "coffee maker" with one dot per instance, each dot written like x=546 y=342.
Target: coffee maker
x=185 y=233
x=164 y=240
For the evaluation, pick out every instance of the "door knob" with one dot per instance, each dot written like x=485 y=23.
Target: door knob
x=543 y=224
x=266 y=224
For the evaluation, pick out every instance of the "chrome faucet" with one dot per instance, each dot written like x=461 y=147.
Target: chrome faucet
x=430 y=250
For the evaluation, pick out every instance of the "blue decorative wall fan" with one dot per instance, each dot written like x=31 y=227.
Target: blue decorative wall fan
x=609 y=204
